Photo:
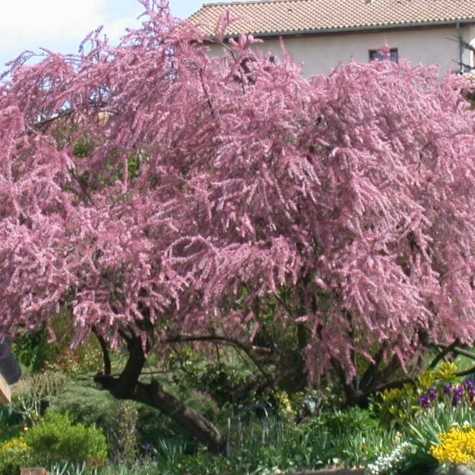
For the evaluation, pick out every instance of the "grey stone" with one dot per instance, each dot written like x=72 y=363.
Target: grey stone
x=460 y=470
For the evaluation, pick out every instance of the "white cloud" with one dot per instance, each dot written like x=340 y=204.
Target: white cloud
x=34 y=23
x=117 y=28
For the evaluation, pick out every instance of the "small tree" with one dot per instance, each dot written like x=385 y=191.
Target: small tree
x=164 y=196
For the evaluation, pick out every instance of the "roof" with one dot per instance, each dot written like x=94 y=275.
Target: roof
x=287 y=17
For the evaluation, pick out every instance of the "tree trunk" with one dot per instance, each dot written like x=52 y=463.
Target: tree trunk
x=194 y=423
x=128 y=386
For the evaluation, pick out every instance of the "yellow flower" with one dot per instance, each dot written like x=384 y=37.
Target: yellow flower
x=15 y=445
x=426 y=380
x=285 y=404
x=457 y=446
x=446 y=372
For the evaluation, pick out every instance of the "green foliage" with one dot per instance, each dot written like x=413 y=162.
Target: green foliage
x=37 y=353
x=14 y=454
x=156 y=432
x=83 y=147
x=258 y=446
x=56 y=439
x=353 y=436
x=425 y=429
x=134 y=163
x=222 y=381
x=399 y=406
x=10 y=423
x=88 y=405
x=126 y=432
x=34 y=351
x=146 y=468
x=32 y=395
x=69 y=469
x=350 y=438
x=419 y=463
x=198 y=463
x=350 y=421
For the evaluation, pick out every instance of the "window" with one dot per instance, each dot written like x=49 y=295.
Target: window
x=384 y=53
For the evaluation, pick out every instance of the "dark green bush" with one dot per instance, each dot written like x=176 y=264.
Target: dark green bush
x=57 y=439
x=88 y=405
x=34 y=351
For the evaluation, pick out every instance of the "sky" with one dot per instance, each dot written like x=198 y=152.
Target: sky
x=60 y=25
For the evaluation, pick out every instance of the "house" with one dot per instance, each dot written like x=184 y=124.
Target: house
x=320 y=34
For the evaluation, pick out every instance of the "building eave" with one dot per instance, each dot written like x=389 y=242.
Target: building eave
x=355 y=29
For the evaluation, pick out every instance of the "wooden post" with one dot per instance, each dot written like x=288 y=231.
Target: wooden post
x=33 y=471
x=5 y=393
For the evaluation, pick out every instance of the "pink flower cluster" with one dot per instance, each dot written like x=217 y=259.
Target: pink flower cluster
x=345 y=202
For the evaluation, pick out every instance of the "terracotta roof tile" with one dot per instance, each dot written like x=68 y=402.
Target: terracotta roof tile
x=281 y=17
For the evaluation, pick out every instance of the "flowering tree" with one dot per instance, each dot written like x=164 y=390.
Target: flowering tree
x=163 y=196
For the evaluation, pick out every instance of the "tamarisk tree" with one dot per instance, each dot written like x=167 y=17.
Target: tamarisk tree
x=164 y=196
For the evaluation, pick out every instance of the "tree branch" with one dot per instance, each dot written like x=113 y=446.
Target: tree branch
x=392 y=385
x=42 y=125
x=369 y=375
x=248 y=350
x=457 y=351
x=105 y=353
x=443 y=354
x=192 y=421
x=466 y=372
x=128 y=386
x=208 y=98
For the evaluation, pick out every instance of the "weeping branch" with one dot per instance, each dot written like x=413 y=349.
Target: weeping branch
x=466 y=372
x=247 y=349
x=206 y=93
x=453 y=348
x=449 y=349
x=370 y=374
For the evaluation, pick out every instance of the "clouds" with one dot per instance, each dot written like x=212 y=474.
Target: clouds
x=60 y=25
x=26 y=24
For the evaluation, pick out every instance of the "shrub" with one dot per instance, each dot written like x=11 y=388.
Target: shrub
x=14 y=454
x=33 y=393
x=400 y=405
x=126 y=432
x=341 y=423
x=56 y=439
x=88 y=406
x=154 y=429
x=351 y=438
x=33 y=350
x=10 y=423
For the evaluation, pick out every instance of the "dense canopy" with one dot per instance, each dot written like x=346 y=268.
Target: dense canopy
x=157 y=190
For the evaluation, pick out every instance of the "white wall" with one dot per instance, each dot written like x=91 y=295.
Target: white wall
x=321 y=53
x=469 y=37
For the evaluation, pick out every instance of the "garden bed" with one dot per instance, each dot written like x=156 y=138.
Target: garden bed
x=333 y=471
